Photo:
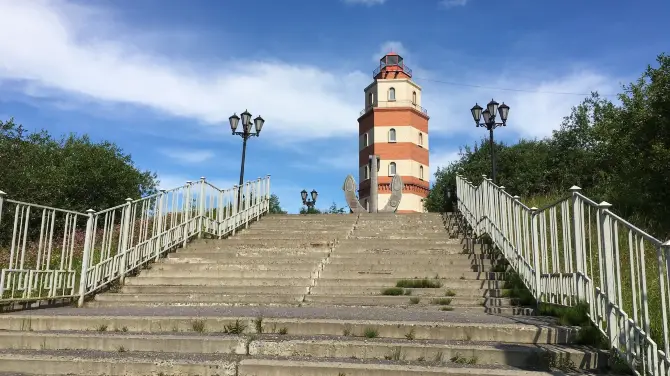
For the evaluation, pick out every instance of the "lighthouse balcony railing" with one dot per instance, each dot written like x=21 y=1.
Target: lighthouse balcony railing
x=393 y=68
x=394 y=104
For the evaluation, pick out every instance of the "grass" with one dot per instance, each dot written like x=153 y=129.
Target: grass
x=393 y=291
x=424 y=283
x=414 y=300
x=198 y=326
x=450 y=293
x=370 y=333
x=236 y=328
x=441 y=301
x=258 y=323
x=460 y=359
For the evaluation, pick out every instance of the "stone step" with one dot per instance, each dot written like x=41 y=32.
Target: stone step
x=204 y=281
x=223 y=299
x=409 y=251
x=358 y=290
x=386 y=281
x=269 y=345
x=242 y=254
x=352 y=367
x=445 y=275
x=427 y=268
x=233 y=265
x=399 y=243
x=59 y=363
x=393 y=236
x=242 y=274
x=382 y=300
x=533 y=332
x=376 y=258
x=233 y=290
x=99 y=363
x=479 y=353
x=246 y=243
x=185 y=259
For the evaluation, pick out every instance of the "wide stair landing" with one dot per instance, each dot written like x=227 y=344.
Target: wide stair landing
x=303 y=295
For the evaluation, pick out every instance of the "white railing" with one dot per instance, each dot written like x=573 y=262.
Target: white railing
x=576 y=250
x=48 y=253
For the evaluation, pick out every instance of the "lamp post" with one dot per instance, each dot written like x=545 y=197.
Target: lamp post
x=246 y=133
x=307 y=202
x=489 y=114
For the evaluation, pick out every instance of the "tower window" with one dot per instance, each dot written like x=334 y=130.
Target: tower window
x=420 y=139
x=365 y=140
x=414 y=97
x=392 y=169
x=421 y=172
x=367 y=172
x=391 y=94
x=392 y=135
x=370 y=99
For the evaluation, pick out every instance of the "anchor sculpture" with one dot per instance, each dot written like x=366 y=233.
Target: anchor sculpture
x=391 y=206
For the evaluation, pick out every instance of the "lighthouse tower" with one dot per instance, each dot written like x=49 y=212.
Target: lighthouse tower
x=394 y=127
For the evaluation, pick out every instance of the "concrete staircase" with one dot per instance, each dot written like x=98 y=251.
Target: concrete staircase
x=303 y=295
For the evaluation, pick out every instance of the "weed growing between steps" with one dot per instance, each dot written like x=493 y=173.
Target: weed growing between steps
x=419 y=283
x=441 y=301
x=460 y=359
x=396 y=291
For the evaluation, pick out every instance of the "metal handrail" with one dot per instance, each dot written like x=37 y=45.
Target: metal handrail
x=61 y=254
x=575 y=251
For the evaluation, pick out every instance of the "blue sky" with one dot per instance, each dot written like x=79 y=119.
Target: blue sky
x=161 y=77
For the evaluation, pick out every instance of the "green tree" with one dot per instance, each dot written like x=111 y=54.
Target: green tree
x=618 y=153
x=310 y=210
x=73 y=172
x=334 y=209
x=275 y=206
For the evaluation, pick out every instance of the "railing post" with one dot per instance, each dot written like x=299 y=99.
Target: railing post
x=88 y=239
x=258 y=200
x=664 y=252
x=247 y=203
x=2 y=199
x=187 y=212
x=502 y=218
x=535 y=244
x=125 y=237
x=220 y=214
x=607 y=257
x=235 y=210
x=268 y=193
x=578 y=234
x=201 y=207
x=158 y=244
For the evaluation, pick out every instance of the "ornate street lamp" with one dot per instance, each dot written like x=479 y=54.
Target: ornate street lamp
x=489 y=115
x=307 y=202
x=246 y=133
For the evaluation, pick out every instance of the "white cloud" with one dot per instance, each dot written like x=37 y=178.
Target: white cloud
x=366 y=2
x=61 y=50
x=71 y=53
x=533 y=114
x=188 y=156
x=390 y=46
x=453 y=3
